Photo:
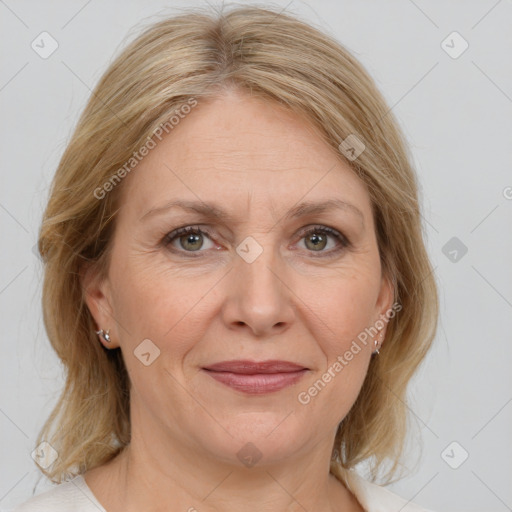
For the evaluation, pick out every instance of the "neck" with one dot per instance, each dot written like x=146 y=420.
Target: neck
x=159 y=471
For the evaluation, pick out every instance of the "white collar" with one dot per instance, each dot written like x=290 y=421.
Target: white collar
x=374 y=498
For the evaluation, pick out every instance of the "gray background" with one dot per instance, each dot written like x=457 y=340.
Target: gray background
x=456 y=114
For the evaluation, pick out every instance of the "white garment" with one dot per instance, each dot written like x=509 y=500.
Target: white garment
x=76 y=496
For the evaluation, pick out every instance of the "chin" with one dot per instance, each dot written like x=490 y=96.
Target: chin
x=255 y=438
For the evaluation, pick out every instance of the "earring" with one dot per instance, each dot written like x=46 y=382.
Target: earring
x=378 y=343
x=104 y=335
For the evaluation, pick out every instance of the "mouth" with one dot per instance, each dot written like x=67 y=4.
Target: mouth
x=256 y=377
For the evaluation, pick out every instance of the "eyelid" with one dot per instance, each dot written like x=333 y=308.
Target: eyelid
x=191 y=228
x=327 y=229
x=343 y=242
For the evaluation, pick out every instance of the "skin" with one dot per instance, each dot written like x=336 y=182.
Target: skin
x=257 y=161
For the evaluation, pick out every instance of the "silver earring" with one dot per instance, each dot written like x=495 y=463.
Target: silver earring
x=104 y=335
x=378 y=343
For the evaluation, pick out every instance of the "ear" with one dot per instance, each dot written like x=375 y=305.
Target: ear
x=384 y=301
x=98 y=297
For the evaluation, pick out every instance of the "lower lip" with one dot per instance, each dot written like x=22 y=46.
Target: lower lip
x=259 y=383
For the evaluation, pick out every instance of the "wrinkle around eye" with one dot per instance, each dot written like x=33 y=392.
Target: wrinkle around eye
x=338 y=241
x=158 y=231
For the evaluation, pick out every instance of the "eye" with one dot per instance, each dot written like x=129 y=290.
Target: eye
x=190 y=239
x=316 y=238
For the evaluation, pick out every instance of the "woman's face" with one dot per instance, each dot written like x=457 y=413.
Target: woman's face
x=248 y=285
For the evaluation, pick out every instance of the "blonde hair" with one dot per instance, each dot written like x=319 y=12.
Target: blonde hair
x=197 y=55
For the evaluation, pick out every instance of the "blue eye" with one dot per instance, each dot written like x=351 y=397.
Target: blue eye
x=191 y=240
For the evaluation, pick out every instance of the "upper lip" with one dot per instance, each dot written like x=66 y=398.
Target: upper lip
x=254 y=367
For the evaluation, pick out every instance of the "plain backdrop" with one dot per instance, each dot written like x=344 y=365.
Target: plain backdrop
x=454 y=105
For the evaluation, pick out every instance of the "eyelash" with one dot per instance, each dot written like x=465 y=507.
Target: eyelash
x=343 y=241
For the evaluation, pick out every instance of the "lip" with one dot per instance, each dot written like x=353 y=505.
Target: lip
x=256 y=377
x=252 y=367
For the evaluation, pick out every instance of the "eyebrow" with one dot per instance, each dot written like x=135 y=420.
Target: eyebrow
x=210 y=210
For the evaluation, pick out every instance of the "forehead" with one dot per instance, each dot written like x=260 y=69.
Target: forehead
x=237 y=149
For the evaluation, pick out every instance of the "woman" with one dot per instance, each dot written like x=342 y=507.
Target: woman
x=235 y=278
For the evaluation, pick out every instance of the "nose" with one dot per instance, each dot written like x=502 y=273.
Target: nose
x=259 y=299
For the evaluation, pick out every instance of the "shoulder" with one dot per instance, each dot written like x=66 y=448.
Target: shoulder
x=374 y=498
x=71 y=496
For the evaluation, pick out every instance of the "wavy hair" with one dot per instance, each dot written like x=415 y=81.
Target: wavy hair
x=196 y=55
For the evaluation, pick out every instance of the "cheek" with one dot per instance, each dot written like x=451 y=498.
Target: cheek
x=153 y=304
x=159 y=308
x=346 y=306
x=346 y=311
